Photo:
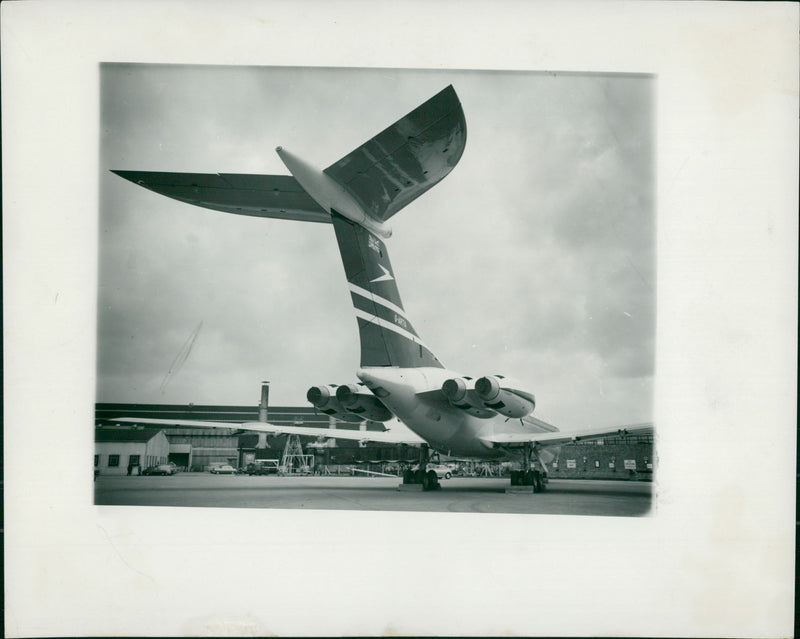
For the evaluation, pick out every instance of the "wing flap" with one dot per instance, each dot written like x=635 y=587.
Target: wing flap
x=274 y=196
x=407 y=158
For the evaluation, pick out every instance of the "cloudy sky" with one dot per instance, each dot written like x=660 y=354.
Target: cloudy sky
x=533 y=258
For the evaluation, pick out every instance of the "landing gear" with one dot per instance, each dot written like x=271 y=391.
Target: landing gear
x=430 y=481
x=535 y=479
x=422 y=477
x=530 y=476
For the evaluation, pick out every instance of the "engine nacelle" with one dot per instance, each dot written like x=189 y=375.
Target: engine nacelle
x=323 y=398
x=504 y=395
x=360 y=401
x=460 y=392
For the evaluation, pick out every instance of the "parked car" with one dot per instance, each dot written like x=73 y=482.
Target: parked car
x=160 y=469
x=226 y=469
x=265 y=467
x=442 y=471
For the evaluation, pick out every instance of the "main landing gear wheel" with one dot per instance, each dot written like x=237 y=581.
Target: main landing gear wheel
x=534 y=478
x=529 y=476
x=430 y=481
x=529 y=479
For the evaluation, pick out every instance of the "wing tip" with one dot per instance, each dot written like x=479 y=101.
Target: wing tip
x=137 y=177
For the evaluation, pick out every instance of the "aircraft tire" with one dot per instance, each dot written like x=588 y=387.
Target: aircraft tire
x=430 y=481
x=527 y=478
x=447 y=475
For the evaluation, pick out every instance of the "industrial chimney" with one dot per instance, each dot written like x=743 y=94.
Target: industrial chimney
x=263 y=406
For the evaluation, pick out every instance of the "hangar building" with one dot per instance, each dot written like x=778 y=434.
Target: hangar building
x=115 y=450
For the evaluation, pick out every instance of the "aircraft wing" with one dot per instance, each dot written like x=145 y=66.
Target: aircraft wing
x=406 y=159
x=557 y=438
x=382 y=437
x=276 y=196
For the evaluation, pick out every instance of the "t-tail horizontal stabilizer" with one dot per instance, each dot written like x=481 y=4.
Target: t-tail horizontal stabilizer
x=274 y=196
x=372 y=182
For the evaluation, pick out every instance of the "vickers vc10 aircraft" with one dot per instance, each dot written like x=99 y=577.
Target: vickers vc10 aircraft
x=486 y=417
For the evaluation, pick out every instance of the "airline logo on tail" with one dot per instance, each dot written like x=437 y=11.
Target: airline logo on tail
x=386 y=275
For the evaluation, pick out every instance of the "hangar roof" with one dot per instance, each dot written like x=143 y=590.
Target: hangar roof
x=102 y=435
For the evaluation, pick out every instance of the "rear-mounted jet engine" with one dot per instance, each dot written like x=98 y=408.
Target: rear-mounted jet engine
x=503 y=395
x=460 y=392
x=360 y=401
x=323 y=398
x=349 y=403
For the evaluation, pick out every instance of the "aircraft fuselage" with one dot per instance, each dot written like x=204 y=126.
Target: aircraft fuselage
x=412 y=395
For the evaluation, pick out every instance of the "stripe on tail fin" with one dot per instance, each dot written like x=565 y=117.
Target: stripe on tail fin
x=387 y=336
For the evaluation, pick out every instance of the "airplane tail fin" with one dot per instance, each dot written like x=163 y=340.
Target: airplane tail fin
x=386 y=334
x=384 y=175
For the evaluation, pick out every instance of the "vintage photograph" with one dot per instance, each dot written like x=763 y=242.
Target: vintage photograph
x=501 y=361
x=392 y=319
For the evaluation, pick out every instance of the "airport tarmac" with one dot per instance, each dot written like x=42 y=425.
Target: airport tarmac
x=459 y=494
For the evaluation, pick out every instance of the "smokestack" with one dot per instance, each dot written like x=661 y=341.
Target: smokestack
x=263 y=406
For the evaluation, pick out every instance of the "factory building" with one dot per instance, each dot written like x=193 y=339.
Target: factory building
x=619 y=457
x=128 y=451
